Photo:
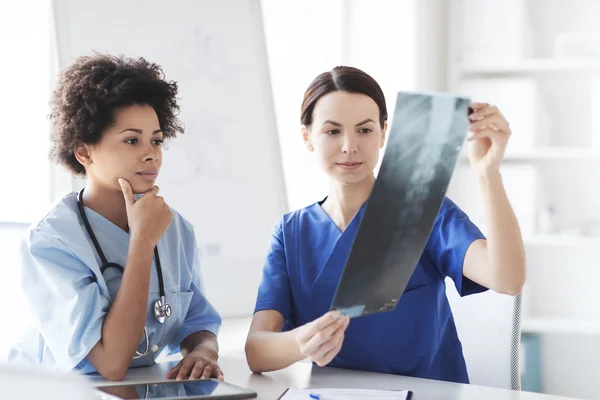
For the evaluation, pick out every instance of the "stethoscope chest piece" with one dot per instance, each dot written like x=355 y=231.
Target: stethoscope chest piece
x=162 y=310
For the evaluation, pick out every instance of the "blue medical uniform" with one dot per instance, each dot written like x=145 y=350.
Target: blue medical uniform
x=306 y=257
x=70 y=298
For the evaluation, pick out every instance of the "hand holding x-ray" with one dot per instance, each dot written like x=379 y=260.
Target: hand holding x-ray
x=489 y=137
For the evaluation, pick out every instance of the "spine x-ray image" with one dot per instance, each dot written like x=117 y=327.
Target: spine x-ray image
x=425 y=139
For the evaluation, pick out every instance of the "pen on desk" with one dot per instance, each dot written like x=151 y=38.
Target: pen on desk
x=316 y=396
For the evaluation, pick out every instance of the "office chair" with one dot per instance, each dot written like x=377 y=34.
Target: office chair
x=489 y=328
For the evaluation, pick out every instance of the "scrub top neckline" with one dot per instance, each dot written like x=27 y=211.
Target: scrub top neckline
x=103 y=220
x=319 y=205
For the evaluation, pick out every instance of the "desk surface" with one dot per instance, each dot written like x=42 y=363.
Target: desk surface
x=270 y=386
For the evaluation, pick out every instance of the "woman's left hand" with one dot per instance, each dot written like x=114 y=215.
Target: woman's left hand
x=200 y=363
x=489 y=134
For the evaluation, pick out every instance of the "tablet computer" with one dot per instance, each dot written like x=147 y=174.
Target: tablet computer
x=171 y=390
x=424 y=142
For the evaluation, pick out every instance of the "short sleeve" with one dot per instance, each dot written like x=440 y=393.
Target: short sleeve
x=64 y=296
x=274 y=292
x=451 y=236
x=201 y=315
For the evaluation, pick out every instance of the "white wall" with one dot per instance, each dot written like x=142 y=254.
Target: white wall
x=23 y=109
x=382 y=41
x=24 y=166
x=305 y=38
x=16 y=314
x=432 y=45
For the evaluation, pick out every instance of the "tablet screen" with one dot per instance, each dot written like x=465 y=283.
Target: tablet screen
x=194 y=389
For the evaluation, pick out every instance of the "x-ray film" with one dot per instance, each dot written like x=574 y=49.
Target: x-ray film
x=425 y=139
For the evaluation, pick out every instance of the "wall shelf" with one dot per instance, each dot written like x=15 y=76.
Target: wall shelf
x=560 y=326
x=532 y=66
x=555 y=153
x=559 y=240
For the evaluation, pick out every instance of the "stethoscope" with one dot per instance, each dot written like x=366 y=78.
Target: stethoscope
x=162 y=310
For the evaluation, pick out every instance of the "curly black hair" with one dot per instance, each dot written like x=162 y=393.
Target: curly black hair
x=91 y=89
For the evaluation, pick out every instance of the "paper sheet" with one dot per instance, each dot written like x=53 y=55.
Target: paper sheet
x=345 y=394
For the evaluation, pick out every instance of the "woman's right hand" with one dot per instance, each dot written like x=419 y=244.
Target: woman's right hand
x=149 y=217
x=321 y=340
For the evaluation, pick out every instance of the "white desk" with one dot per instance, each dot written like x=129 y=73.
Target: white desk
x=270 y=386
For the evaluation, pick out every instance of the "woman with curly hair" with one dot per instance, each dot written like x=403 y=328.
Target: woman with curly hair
x=112 y=272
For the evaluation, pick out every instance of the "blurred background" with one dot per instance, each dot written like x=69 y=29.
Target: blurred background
x=243 y=66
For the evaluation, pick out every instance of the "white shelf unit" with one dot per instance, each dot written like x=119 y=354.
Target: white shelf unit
x=560 y=326
x=548 y=153
x=554 y=153
x=531 y=66
x=563 y=241
x=560 y=167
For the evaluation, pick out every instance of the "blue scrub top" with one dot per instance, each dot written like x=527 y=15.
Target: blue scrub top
x=306 y=257
x=70 y=298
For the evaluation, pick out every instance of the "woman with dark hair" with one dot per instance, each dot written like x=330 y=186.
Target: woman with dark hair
x=344 y=122
x=114 y=264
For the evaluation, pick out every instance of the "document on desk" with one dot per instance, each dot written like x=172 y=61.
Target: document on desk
x=345 y=394
x=424 y=143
